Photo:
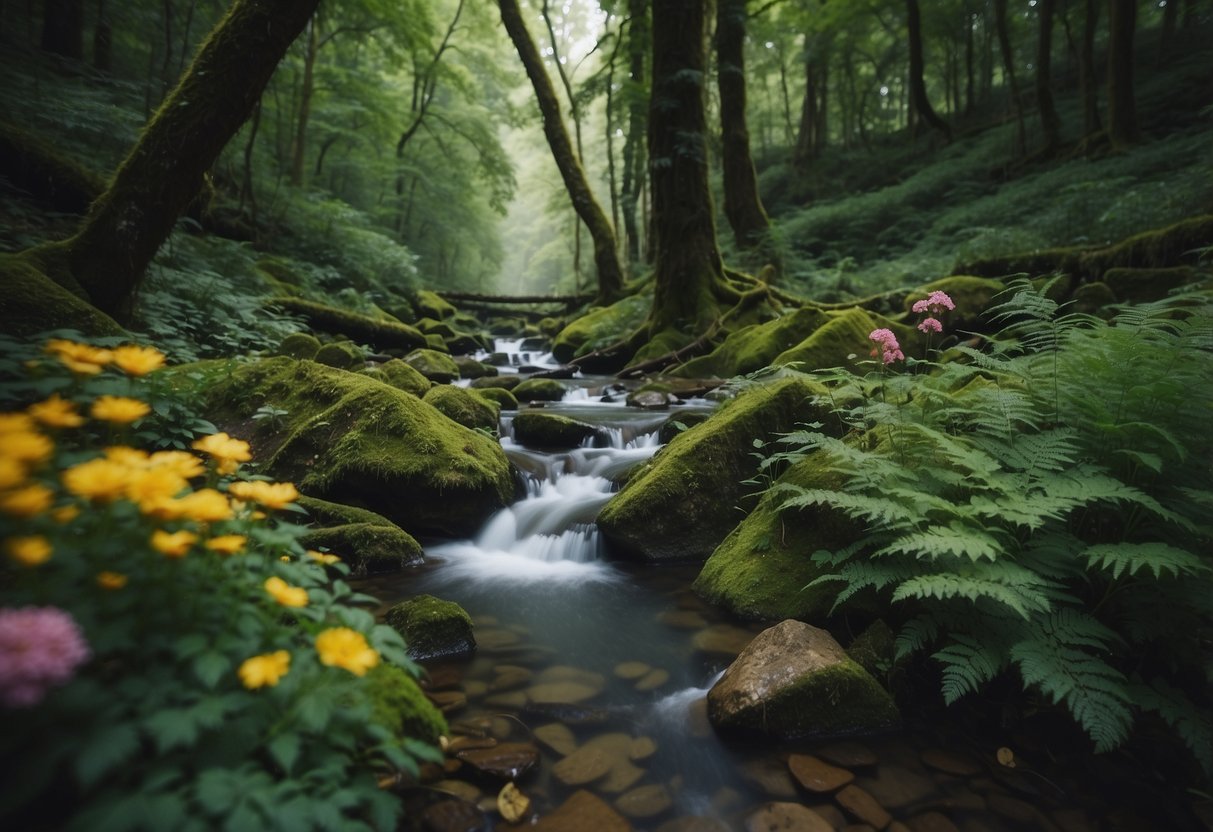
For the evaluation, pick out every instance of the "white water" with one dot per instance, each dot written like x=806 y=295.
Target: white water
x=518 y=357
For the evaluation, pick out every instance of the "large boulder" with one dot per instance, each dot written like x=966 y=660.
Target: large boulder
x=679 y=505
x=432 y=628
x=754 y=347
x=537 y=429
x=795 y=681
x=434 y=365
x=354 y=440
x=369 y=548
x=461 y=406
x=600 y=328
x=842 y=339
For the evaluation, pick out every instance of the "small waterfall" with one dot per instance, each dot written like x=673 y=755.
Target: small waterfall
x=520 y=352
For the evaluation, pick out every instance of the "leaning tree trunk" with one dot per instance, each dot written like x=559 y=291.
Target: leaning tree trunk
x=63 y=28
x=1086 y=70
x=165 y=170
x=1050 y=122
x=1008 y=63
x=742 y=203
x=918 y=87
x=606 y=259
x=1122 y=109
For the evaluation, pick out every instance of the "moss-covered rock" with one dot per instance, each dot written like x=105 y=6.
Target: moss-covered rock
x=1143 y=285
x=762 y=569
x=874 y=649
x=382 y=335
x=537 y=429
x=843 y=335
x=471 y=368
x=461 y=406
x=400 y=375
x=972 y=296
x=499 y=396
x=679 y=423
x=281 y=270
x=1094 y=299
x=299 y=345
x=682 y=503
x=1032 y=263
x=354 y=440
x=343 y=355
x=794 y=681
x=436 y=343
x=430 y=305
x=328 y=513
x=433 y=326
x=432 y=628
x=433 y=365
x=30 y=302
x=539 y=390
x=1155 y=249
x=467 y=343
x=399 y=704
x=754 y=347
x=600 y=328
x=368 y=548
x=551 y=326
x=502 y=382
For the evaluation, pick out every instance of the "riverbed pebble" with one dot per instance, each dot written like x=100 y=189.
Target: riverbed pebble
x=506 y=761
x=786 y=817
x=558 y=737
x=950 y=762
x=582 y=812
x=816 y=775
x=645 y=802
x=862 y=806
x=848 y=754
x=654 y=679
x=631 y=670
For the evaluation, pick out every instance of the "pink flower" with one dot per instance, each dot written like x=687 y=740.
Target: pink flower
x=936 y=303
x=40 y=648
x=886 y=345
x=930 y=325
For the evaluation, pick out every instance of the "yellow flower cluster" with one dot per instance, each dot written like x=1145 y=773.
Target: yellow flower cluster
x=284 y=593
x=227 y=452
x=269 y=494
x=347 y=649
x=84 y=359
x=264 y=670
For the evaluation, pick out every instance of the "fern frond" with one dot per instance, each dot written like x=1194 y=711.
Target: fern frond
x=1193 y=725
x=955 y=539
x=856 y=506
x=915 y=635
x=1002 y=582
x=1156 y=557
x=968 y=663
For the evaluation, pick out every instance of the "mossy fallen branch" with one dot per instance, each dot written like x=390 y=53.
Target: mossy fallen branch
x=383 y=335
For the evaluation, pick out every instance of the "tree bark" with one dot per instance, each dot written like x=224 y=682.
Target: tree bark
x=805 y=149
x=742 y=203
x=633 y=145
x=918 y=88
x=1050 y=122
x=299 y=147
x=103 y=40
x=1087 y=87
x=969 y=102
x=1008 y=63
x=63 y=28
x=165 y=170
x=1122 y=109
x=610 y=275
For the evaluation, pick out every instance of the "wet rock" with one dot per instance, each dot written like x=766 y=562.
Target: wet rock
x=448 y=701
x=631 y=670
x=471 y=368
x=897 y=787
x=582 y=812
x=511 y=700
x=585 y=765
x=505 y=761
x=568 y=714
x=561 y=693
x=862 y=806
x=539 y=390
x=369 y=548
x=510 y=677
x=832 y=814
x=795 y=681
x=722 y=640
x=466 y=743
x=499 y=382
x=452 y=816
x=931 y=822
x=817 y=775
x=786 y=817
x=460 y=789
x=605 y=759
x=497 y=639
x=441 y=677
x=475 y=688
x=848 y=754
x=498 y=359
x=642 y=748
x=951 y=762
x=432 y=628
x=770 y=775
x=683 y=619
x=645 y=802
x=653 y=679
x=537 y=429
x=651 y=400
x=558 y=737
x=694 y=823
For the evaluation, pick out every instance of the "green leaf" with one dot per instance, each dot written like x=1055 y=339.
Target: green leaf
x=106 y=750
x=285 y=749
x=172 y=728
x=1158 y=558
x=210 y=667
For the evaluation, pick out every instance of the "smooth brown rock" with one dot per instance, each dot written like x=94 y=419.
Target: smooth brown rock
x=683 y=619
x=698 y=724
x=460 y=789
x=862 y=806
x=931 y=822
x=583 y=812
x=722 y=640
x=896 y=787
x=817 y=775
x=786 y=817
x=561 y=693
x=452 y=816
x=950 y=762
x=584 y=765
x=558 y=737
x=847 y=754
x=496 y=639
x=632 y=670
x=693 y=823
x=770 y=775
x=642 y=748
x=469 y=743
x=1020 y=811
x=448 y=701
x=441 y=677
x=653 y=679
x=511 y=700
x=645 y=802
x=510 y=677
x=506 y=761
x=832 y=814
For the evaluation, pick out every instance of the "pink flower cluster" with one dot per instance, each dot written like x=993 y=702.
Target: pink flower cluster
x=40 y=648
x=886 y=346
x=935 y=304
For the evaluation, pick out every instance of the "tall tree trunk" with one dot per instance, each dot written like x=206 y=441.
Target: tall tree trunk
x=1122 y=109
x=918 y=87
x=165 y=170
x=1050 y=122
x=63 y=28
x=742 y=203
x=821 y=124
x=1008 y=63
x=633 y=143
x=1170 y=16
x=969 y=102
x=610 y=275
x=575 y=113
x=805 y=146
x=103 y=40
x=299 y=147
x=1087 y=86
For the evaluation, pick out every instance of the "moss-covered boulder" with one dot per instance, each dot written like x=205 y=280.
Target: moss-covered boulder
x=682 y=503
x=432 y=326
x=327 y=513
x=400 y=375
x=436 y=343
x=299 y=345
x=461 y=406
x=760 y=571
x=845 y=334
x=354 y=440
x=972 y=296
x=501 y=382
x=679 y=423
x=380 y=334
x=539 y=390
x=343 y=355
x=30 y=302
x=1145 y=285
x=433 y=365
x=537 y=429
x=432 y=628
x=795 y=681
x=1094 y=299
x=471 y=368
x=600 y=327
x=754 y=347
x=399 y=704
x=430 y=305
x=368 y=548
x=499 y=396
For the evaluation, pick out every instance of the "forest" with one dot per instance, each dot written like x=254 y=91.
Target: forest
x=669 y=415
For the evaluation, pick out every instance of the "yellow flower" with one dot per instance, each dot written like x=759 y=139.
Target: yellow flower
x=98 y=479
x=285 y=594
x=183 y=463
x=173 y=544
x=12 y=473
x=146 y=487
x=26 y=446
x=347 y=649
x=119 y=409
x=17 y=423
x=27 y=502
x=57 y=412
x=264 y=670
x=284 y=558
x=224 y=448
x=204 y=506
x=321 y=557
x=28 y=551
x=138 y=361
x=65 y=514
x=268 y=494
x=79 y=358
x=111 y=580
x=226 y=544
x=130 y=457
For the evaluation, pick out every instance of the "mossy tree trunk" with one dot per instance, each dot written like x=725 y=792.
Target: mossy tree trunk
x=635 y=93
x=165 y=170
x=1050 y=122
x=918 y=88
x=1008 y=63
x=742 y=203
x=1087 y=87
x=806 y=137
x=1122 y=108
x=606 y=259
x=63 y=28
x=306 y=92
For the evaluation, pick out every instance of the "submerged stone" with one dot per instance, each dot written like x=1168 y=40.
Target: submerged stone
x=432 y=628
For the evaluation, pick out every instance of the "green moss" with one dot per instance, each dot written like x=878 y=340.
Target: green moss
x=299 y=345
x=1156 y=249
x=551 y=326
x=31 y=303
x=874 y=648
x=399 y=309
x=431 y=326
x=539 y=390
x=1143 y=285
x=429 y=305
x=436 y=343
x=461 y=406
x=1031 y=263
x=327 y=513
x=400 y=375
x=382 y=335
x=340 y=354
x=683 y=502
x=661 y=344
x=972 y=296
x=845 y=334
x=281 y=270
x=509 y=382
x=754 y=347
x=354 y=440
x=432 y=628
x=433 y=365
x=399 y=704
x=499 y=396
x=1094 y=299
x=471 y=368
x=368 y=548
x=600 y=327
x=537 y=429
x=679 y=423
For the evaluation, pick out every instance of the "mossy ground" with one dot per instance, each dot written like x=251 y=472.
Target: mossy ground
x=601 y=327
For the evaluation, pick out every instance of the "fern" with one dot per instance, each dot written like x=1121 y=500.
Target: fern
x=1016 y=588
x=1155 y=557
x=954 y=539
x=968 y=663
x=1193 y=725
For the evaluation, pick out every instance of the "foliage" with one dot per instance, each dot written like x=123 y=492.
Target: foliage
x=222 y=682
x=1040 y=505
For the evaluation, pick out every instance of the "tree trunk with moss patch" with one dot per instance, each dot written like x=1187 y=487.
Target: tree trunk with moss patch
x=606 y=259
x=918 y=88
x=1122 y=108
x=165 y=170
x=633 y=146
